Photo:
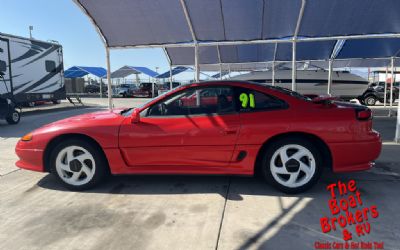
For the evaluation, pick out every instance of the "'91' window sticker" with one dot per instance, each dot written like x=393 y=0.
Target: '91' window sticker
x=247 y=100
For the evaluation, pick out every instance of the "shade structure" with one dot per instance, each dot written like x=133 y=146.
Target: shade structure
x=81 y=71
x=178 y=23
x=129 y=70
x=249 y=53
x=174 y=71
x=124 y=23
x=370 y=48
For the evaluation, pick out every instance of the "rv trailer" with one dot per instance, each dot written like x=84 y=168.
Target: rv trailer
x=34 y=70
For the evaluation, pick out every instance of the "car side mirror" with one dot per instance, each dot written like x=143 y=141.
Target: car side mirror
x=135 y=117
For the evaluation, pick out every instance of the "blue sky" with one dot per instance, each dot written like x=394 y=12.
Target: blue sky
x=64 y=22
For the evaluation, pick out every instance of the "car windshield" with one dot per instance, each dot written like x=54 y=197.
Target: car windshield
x=128 y=112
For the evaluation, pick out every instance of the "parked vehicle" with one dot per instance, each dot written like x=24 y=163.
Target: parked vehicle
x=8 y=108
x=95 y=88
x=145 y=89
x=34 y=69
x=248 y=128
x=376 y=92
x=125 y=90
x=165 y=87
x=345 y=85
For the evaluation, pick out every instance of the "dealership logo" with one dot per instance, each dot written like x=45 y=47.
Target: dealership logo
x=350 y=215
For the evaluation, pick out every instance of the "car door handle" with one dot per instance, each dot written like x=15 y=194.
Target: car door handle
x=228 y=132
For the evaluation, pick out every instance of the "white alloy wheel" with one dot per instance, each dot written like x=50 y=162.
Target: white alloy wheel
x=15 y=116
x=292 y=165
x=75 y=165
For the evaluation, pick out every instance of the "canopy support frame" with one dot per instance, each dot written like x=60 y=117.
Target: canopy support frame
x=294 y=40
x=385 y=90
x=195 y=43
x=170 y=67
x=220 y=62
x=391 y=86
x=273 y=65
x=109 y=90
x=330 y=71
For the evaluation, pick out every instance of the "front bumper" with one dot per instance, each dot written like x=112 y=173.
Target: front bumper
x=29 y=158
x=357 y=155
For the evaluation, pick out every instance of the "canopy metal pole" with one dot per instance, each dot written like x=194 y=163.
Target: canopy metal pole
x=391 y=88
x=330 y=77
x=294 y=67
x=220 y=62
x=298 y=24
x=170 y=76
x=229 y=71
x=273 y=73
x=397 y=136
x=385 y=90
x=196 y=63
x=170 y=66
x=273 y=65
x=262 y=41
x=110 y=105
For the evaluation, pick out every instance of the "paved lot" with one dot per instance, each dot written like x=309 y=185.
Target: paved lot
x=180 y=212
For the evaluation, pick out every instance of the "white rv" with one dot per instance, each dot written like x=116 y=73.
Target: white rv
x=33 y=70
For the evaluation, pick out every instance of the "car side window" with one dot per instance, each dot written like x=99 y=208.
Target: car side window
x=251 y=100
x=196 y=101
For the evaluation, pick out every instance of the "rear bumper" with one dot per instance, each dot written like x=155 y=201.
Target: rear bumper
x=31 y=159
x=355 y=156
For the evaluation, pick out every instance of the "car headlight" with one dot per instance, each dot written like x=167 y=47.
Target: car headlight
x=27 y=137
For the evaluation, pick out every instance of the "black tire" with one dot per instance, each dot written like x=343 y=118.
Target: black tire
x=370 y=100
x=268 y=153
x=13 y=118
x=101 y=164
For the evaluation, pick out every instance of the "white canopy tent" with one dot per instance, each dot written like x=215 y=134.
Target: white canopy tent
x=196 y=24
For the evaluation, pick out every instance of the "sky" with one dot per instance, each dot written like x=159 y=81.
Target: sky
x=63 y=21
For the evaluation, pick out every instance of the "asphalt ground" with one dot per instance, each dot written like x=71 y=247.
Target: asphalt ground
x=181 y=212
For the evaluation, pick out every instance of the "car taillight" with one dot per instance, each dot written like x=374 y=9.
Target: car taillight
x=363 y=115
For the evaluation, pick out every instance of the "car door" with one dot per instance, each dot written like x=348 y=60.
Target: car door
x=183 y=132
x=262 y=116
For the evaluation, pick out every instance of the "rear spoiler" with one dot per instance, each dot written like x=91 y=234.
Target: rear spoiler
x=324 y=99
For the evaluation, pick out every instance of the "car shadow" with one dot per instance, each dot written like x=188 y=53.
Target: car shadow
x=186 y=184
x=282 y=221
x=38 y=119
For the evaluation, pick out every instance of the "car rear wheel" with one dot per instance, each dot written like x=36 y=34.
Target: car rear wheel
x=78 y=164
x=292 y=165
x=370 y=100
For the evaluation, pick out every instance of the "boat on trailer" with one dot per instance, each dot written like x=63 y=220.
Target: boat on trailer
x=312 y=82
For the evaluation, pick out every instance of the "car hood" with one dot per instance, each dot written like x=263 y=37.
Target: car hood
x=102 y=126
x=94 y=119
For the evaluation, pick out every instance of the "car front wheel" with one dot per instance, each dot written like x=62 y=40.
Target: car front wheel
x=13 y=118
x=78 y=164
x=292 y=165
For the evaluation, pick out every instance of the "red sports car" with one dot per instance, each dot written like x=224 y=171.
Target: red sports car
x=222 y=127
